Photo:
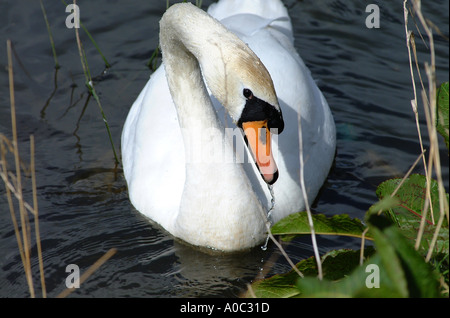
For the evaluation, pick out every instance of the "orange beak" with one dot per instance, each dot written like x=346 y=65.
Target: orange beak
x=258 y=140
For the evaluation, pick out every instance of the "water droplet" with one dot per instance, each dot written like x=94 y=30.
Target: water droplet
x=264 y=247
x=269 y=214
x=272 y=202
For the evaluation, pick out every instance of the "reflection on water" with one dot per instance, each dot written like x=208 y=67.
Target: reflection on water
x=83 y=203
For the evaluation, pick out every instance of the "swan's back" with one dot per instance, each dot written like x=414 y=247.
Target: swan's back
x=269 y=9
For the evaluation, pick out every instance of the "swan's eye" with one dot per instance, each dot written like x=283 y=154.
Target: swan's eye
x=248 y=93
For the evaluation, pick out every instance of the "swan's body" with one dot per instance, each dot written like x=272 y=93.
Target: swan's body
x=215 y=202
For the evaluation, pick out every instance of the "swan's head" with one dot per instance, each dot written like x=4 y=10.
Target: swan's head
x=241 y=82
x=258 y=120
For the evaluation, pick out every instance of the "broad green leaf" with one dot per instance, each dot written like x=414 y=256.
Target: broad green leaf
x=336 y=265
x=297 y=224
x=389 y=258
x=407 y=213
x=442 y=111
x=419 y=276
x=402 y=271
x=384 y=204
x=354 y=285
x=283 y=285
x=278 y=286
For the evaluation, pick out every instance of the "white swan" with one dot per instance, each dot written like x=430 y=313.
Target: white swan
x=173 y=151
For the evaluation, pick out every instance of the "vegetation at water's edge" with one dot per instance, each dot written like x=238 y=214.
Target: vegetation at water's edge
x=409 y=227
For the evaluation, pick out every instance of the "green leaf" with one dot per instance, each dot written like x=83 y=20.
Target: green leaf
x=297 y=224
x=336 y=265
x=283 y=285
x=407 y=212
x=442 y=111
x=386 y=203
x=401 y=270
x=388 y=256
x=420 y=279
x=354 y=285
x=392 y=280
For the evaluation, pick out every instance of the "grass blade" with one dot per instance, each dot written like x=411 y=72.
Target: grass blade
x=52 y=43
x=107 y=65
x=92 y=91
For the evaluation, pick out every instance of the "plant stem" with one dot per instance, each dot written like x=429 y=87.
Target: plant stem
x=18 y=186
x=107 y=65
x=36 y=217
x=52 y=43
x=92 y=91
x=305 y=198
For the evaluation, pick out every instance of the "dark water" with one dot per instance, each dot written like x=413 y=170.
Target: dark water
x=83 y=204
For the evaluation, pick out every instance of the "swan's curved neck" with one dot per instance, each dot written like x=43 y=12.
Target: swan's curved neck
x=192 y=41
x=188 y=48
x=184 y=43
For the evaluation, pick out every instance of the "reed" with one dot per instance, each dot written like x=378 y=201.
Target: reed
x=90 y=85
x=107 y=65
x=14 y=187
x=308 y=210
x=432 y=166
x=27 y=213
x=86 y=70
x=52 y=43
